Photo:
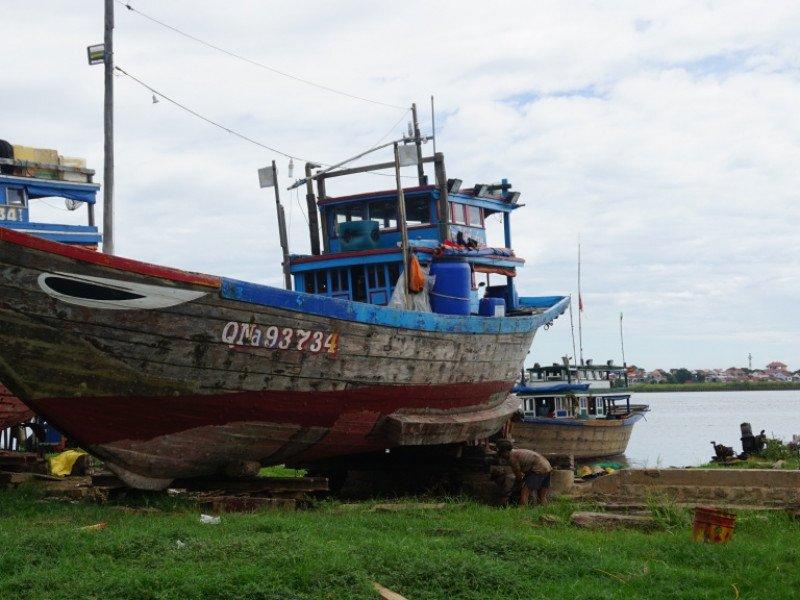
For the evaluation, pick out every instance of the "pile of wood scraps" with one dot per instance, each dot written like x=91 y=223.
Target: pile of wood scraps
x=22 y=462
x=246 y=495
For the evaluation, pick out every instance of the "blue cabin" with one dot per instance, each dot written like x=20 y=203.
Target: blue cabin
x=361 y=257
x=23 y=182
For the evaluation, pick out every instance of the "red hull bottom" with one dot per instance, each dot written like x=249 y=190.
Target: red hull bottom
x=150 y=441
x=12 y=410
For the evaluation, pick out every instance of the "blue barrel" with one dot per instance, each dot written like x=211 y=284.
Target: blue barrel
x=358 y=235
x=492 y=307
x=450 y=293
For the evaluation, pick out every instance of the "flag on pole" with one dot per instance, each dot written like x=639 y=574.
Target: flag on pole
x=580 y=302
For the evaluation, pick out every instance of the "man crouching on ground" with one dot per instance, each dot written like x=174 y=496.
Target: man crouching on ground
x=531 y=469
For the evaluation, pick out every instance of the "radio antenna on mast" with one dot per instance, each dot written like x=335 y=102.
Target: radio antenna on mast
x=580 y=306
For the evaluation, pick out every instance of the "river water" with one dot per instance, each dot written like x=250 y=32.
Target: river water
x=680 y=426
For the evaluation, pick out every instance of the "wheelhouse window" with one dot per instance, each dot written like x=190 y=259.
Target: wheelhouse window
x=418 y=211
x=474 y=216
x=384 y=212
x=349 y=212
x=339 y=281
x=457 y=213
x=16 y=196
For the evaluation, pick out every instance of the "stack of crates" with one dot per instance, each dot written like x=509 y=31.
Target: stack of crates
x=49 y=157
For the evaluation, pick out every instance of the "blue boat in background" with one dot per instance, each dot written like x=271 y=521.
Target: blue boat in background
x=583 y=411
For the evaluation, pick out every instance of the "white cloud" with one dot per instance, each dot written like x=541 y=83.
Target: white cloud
x=665 y=135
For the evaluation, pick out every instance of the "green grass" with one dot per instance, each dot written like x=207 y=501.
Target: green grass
x=334 y=551
x=752 y=463
x=281 y=471
x=711 y=386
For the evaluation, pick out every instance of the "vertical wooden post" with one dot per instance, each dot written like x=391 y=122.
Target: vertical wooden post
x=433 y=124
x=401 y=219
x=311 y=204
x=287 y=277
x=108 y=131
x=321 y=196
x=423 y=180
x=444 y=206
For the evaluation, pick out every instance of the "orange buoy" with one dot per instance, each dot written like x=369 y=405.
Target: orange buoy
x=713 y=525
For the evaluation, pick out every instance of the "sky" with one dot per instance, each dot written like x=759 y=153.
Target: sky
x=662 y=136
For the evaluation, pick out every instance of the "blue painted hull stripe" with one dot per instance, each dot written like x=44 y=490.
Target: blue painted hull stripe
x=568 y=422
x=359 y=312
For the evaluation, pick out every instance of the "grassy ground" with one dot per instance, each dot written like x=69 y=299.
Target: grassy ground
x=741 y=386
x=753 y=462
x=336 y=551
x=281 y=471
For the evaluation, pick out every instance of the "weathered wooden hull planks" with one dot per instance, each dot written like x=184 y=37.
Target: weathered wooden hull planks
x=582 y=439
x=200 y=378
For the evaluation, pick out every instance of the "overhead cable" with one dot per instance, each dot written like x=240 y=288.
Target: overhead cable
x=255 y=62
x=206 y=119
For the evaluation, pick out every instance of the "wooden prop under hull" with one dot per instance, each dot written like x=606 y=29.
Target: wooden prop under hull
x=167 y=374
x=581 y=439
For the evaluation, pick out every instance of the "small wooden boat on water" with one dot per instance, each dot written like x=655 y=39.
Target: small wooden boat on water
x=584 y=411
x=167 y=374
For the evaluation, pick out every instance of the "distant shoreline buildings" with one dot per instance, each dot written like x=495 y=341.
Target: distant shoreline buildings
x=774 y=371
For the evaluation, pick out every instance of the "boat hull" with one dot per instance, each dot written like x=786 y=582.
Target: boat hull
x=166 y=374
x=581 y=438
x=12 y=410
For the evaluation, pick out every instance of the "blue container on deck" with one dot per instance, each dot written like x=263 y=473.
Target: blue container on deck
x=358 y=235
x=492 y=307
x=450 y=293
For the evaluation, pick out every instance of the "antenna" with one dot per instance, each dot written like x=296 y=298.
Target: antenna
x=572 y=329
x=580 y=306
x=433 y=124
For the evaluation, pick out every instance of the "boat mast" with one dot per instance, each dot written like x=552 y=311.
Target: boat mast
x=622 y=344
x=108 y=130
x=580 y=306
x=401 y=218
x=572 y=331
x=423 y=180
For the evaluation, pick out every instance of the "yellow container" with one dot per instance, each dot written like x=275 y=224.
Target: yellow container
x=39 y=155
x=80 y=163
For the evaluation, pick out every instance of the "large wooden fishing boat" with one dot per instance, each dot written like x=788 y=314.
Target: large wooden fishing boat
x=584 y=411
x=167 y=374
x=27 y=176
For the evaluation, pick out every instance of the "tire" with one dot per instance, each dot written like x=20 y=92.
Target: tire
x=6 y=151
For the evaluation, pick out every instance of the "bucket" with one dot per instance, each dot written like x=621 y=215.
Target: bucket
x=713 y=525
x=492 y=307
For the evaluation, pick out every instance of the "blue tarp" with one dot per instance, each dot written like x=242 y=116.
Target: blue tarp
x=555 y=388
x=79 y=193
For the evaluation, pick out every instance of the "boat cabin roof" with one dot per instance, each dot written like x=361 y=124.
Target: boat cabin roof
x=29 y=181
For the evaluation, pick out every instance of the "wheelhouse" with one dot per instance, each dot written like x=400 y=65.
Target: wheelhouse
x=25 y=182
x=361 y=256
